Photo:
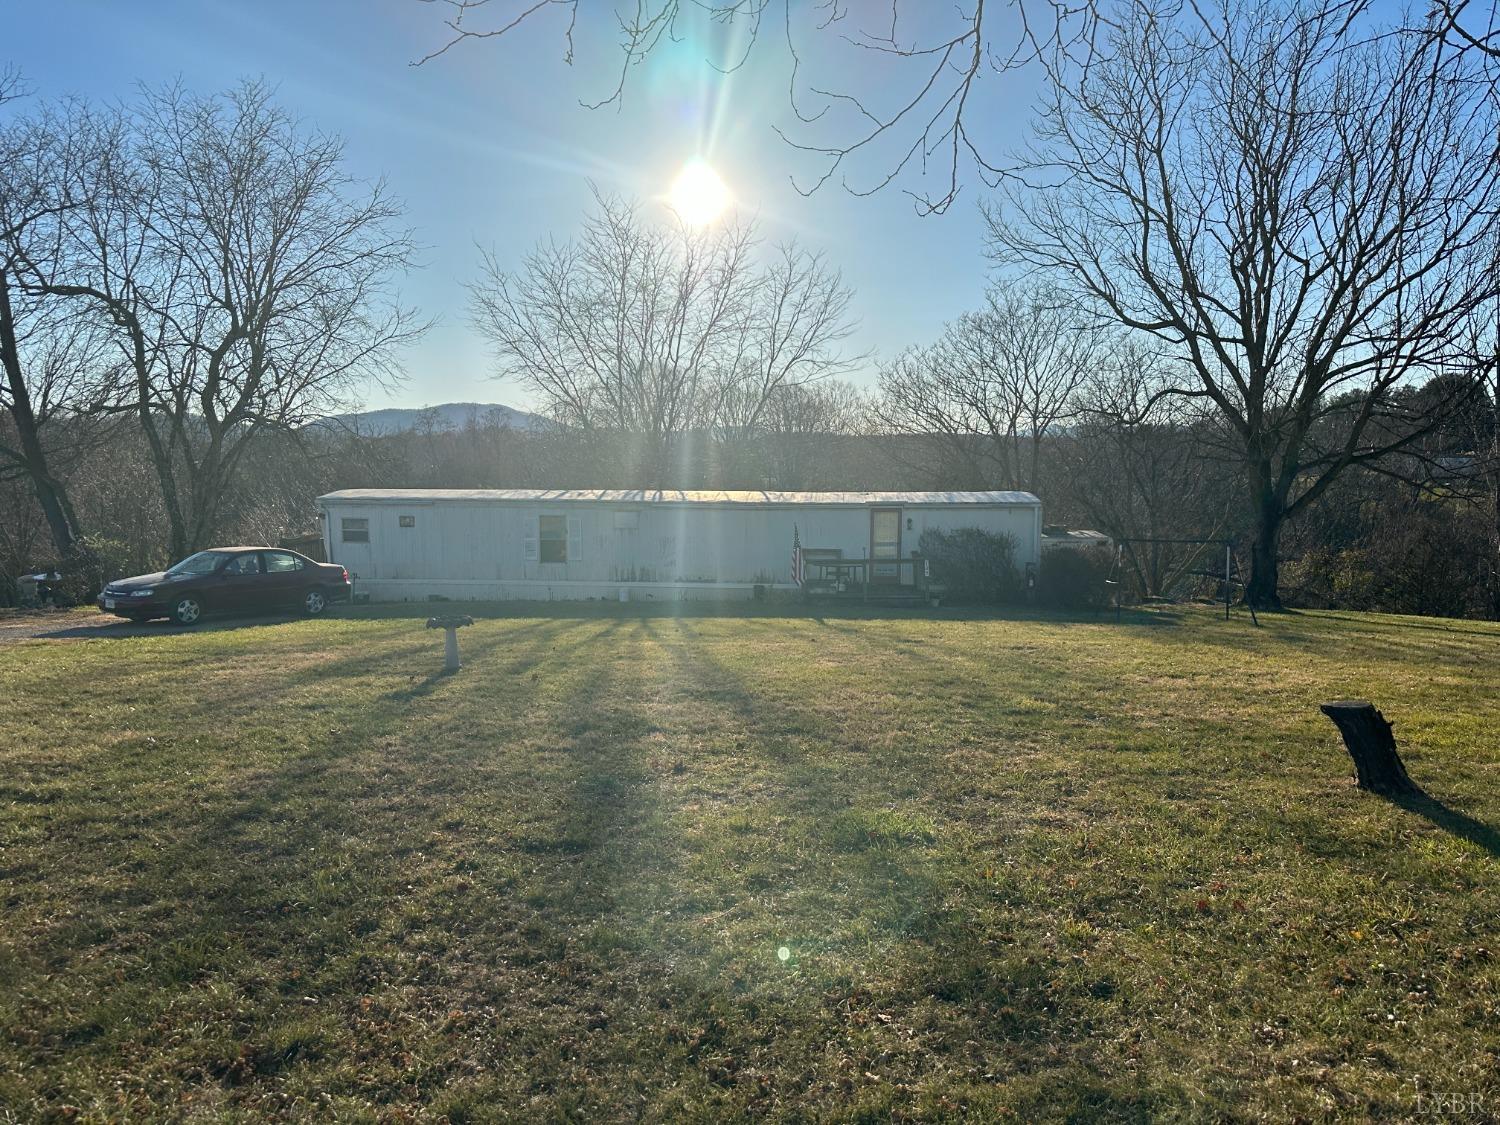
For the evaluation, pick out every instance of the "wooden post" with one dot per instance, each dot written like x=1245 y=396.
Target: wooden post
x=1226 y=580
x=1368 y=738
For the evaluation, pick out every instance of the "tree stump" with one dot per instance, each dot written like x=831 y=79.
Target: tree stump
x=1368 y=738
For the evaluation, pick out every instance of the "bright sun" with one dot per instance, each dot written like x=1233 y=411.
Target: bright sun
x=698 y=195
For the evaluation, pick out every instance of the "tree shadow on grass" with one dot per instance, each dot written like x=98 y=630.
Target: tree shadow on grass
x=123 y=630
x=1328 y=838
x=1415 y=624
x=411 y=656
x=305 y=881
x=886 y=921
x=828 y=808
x=1450 y=820
x=361 y=796
x=790 y=609
x=1339 y=635
x=542 y=639
x=301 y=877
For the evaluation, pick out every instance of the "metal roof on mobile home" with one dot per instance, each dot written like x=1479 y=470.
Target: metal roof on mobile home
x=675 y=496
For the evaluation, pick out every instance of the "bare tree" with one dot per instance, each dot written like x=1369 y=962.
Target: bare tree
x=1294 y=211
x=50 y=357
x=798 y=310
x=245 y=276
x=1491 y=363
x=1462 y=26
x=918 y=115
x=653 y=330
x=997 y=382
x=1136 y=467
x=805 y=428
x=1482 y=343
x=1467 y=25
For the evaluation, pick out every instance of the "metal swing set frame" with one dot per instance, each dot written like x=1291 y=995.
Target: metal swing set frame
x=1231 y=565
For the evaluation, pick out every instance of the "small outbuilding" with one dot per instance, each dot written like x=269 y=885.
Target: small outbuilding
x=1073 y=539
x=491 y=544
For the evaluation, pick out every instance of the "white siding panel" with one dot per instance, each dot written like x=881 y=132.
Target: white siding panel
x=483 y=542
x=575 y=540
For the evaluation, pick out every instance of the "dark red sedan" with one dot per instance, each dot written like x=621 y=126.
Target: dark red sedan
x=229 y=579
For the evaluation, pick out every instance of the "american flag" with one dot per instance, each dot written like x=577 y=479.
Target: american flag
x=796 y=557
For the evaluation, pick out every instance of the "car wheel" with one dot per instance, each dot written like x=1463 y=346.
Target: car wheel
x=187 y=611
x=314 y=603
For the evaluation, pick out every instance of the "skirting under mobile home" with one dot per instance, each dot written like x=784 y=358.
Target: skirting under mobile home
x=414 y=544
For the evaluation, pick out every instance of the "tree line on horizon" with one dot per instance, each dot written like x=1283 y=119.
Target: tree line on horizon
x=1376 y=541
x=1245 y=287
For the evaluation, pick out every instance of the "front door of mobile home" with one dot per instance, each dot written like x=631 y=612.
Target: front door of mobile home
x=885 y=543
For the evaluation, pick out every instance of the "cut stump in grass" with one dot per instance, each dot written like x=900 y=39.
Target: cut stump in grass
x=1368 y=738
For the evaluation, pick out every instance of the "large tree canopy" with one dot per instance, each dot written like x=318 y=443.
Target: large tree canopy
x=1301 y=217
x=997 y=384
x=242 y=276
x=654 y=329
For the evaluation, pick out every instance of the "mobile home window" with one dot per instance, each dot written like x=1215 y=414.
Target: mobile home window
x=407 y=521
x=553 y=533
x=355 y=531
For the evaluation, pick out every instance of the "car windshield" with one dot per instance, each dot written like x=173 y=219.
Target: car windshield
x=204 y=562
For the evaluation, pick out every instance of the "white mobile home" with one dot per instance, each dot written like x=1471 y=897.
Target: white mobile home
x=411 y=544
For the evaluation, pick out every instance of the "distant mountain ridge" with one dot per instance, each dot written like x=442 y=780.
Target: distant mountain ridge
x=445 y=416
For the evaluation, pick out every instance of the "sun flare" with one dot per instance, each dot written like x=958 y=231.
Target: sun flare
x=698 y=195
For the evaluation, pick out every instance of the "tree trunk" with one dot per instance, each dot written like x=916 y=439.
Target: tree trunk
x=1495 y=561
x=1495 y=500
x=49 y=491
x=1495 y=540
x=1368 y=738
x=1263 y=589
x=161 y=462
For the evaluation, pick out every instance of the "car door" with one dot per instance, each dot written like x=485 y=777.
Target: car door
x=239 y=587
x=285 y=578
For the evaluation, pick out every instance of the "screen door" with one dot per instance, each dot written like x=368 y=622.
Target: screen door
x=885 y=543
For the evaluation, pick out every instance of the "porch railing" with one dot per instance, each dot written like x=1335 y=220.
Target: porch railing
x=866 y=578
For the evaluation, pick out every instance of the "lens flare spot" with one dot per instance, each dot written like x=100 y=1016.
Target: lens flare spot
x=783 y=954
x=698 y=195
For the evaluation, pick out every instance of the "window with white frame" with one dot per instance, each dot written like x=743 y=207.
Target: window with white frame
x=354 y=530
x=554 y=539
x=552 y=533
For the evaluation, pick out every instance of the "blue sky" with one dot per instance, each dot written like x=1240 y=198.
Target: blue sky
x=489 y=144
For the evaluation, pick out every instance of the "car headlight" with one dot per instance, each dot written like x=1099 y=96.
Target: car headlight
x=142 y=592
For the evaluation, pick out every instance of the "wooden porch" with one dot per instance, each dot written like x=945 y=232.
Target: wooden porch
x=886 y=581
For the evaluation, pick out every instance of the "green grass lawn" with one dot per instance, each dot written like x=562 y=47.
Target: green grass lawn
x=659 y=867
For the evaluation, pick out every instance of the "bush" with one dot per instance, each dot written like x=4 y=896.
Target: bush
x=1430 y=557
x=1074 y=578
x=97 y=561
x=972 y=565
